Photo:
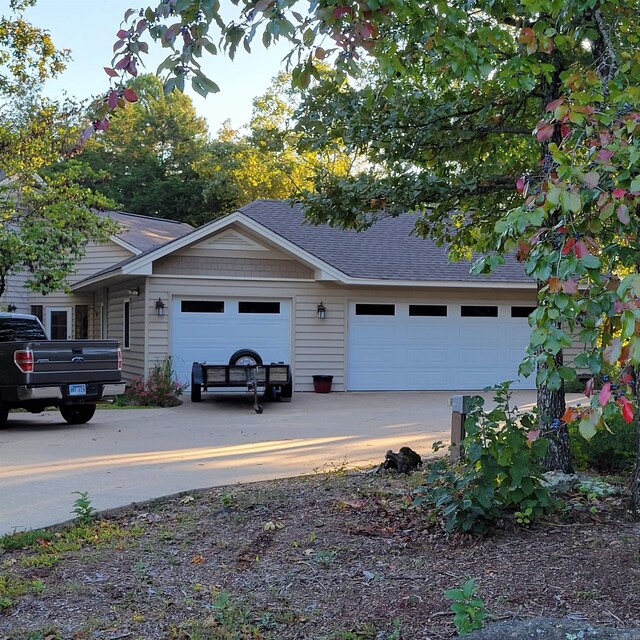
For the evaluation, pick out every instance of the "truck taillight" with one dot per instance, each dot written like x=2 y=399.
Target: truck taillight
x=119 y=359
x=24 y=360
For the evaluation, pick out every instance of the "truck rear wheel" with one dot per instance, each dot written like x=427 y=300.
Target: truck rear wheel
x=4 y=414
x=78 y=414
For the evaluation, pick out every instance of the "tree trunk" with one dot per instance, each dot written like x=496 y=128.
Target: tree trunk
x=635 y=478
x=551 y=406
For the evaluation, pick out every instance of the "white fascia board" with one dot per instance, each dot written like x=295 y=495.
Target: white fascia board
x=133 y=269
x=451 y=284
x=125 y=245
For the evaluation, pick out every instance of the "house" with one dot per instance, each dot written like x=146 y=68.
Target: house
x=377 y=310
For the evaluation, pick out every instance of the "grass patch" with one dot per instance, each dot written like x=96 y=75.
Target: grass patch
x=13 y=587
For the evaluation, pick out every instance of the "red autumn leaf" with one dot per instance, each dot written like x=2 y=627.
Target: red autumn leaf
x=565 y=130
x=122 y=34
x=570 y=286
x=605 y=155
x=544 y=131
x=130 y=95
x=619 y=306
x=552 y=106
x=527 y=35
x=524 y=248
x=533 y=435
x=612 y=352
x=110 y=72
x=141 y=26
x=619 y=193
x=605 y=393
x=627 y=410
x=588 y=389
x=567 y=246
x=131 y=68
x=580 y=249
x=123 y=63
x=554 y=285
x=113 y=100
x=520 y=184
x=546 y=44
x=339 y=12
x=622 y=212
x=627 y=378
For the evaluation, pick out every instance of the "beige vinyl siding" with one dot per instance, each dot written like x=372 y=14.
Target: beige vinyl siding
x=239 y=267
x=133 y=358
x=97 y=258
x=16 y=294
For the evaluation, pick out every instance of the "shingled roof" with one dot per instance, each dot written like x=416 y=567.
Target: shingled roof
x=145 y=232
x=388 y=250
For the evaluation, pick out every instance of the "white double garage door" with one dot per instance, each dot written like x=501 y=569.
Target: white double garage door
x=390 y=347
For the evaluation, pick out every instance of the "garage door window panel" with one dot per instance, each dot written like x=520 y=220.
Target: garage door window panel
x=479 y=311
x=258 y=307
x=375 y=310
x=202 y=306
x=522 y=312
x=428 y=310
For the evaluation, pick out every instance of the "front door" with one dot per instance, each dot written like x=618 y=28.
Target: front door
x=58 y=323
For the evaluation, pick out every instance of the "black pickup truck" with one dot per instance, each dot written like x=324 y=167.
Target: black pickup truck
x=72 y=375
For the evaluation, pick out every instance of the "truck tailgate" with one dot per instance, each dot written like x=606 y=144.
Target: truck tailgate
x=56 y=361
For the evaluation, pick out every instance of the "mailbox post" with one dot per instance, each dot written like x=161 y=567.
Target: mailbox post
x=459 y=410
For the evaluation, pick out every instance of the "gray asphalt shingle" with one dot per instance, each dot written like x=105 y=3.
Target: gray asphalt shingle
x=386 y=251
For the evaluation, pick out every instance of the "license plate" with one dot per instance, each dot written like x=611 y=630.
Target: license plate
x=77 y=389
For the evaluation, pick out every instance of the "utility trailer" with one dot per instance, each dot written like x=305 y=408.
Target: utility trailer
x=245 y=373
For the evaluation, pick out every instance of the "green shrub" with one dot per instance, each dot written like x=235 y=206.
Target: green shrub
x=608 y=451
x=160 y=390
x=500 y=473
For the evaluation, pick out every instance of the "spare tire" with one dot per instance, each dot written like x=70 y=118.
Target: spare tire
x=245 y=357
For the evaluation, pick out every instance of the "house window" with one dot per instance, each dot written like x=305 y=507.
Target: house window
x=439 y=310
x=258 y=307
x=126 y=342
x=202 y=306
x=375 y=309
x=522 y=312
x=81 y=321
x=37 y=310
x=479 y=311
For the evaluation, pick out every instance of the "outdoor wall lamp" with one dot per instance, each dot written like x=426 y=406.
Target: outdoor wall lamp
x=160 y=306
x=134 y=292
x=11 y=308
x=322 y=311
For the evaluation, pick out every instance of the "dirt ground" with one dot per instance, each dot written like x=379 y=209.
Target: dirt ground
x=334 y=556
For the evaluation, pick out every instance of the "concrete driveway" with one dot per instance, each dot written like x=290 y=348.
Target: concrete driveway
x=125 y=456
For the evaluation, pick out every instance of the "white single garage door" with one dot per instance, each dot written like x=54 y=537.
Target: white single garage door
x=211 y=330
x=412 y=347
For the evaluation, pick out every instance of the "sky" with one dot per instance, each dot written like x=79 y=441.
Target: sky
x=88 y=28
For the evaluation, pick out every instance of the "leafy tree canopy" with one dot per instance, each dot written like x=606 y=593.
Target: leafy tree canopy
x=44 y=226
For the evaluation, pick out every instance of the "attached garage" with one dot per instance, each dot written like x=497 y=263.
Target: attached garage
x=212 y=329
x=415 y=346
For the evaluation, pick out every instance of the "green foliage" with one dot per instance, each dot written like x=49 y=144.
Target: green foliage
x=161 y=389
x=24 y=539
x=82 y=507
x=608 y=451
x=469 y=610
x=499 y=474
x=12 y=588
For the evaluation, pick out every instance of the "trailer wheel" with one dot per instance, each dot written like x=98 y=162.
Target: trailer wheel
x=196 y=391
x=4 y=414
x=244 y=357
x=77 y=414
